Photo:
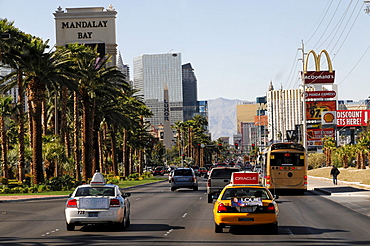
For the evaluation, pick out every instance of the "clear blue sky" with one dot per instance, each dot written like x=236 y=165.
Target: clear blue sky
x=235 y=46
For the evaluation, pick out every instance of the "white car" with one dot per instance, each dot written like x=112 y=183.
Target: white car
x=97 y=203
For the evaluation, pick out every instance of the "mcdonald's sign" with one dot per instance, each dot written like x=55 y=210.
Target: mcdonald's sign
x=318 y=76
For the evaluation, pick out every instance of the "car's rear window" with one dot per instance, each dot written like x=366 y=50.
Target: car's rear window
x=183 y=172
x=95 y=191
x=245 y=192
x=223 y=173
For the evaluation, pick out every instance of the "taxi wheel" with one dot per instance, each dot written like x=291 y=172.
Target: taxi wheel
x=218 y=228
x=70 y=227
x=173 y=189
x=195 y=188
x=128 y=221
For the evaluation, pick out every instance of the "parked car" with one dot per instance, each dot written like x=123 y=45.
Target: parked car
x=97 y=203
x=184 y=178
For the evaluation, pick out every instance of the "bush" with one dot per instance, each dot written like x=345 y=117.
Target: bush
x=315 y=160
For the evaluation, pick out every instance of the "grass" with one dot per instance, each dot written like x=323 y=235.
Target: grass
x=349 y=174
x=122 y=184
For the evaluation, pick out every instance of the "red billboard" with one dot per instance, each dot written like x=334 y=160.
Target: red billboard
x=314 y=108
x=319 y=77
x=319 y=134
x=352 y=117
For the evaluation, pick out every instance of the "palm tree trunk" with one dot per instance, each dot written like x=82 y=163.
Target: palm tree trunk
x=21 y=158
x=3 y=148
x=36 y=97
x=76 y=148
x=87 y=139
x=113 y=146
x=126 y=155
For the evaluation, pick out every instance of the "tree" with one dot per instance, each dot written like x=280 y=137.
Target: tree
x=5 y=111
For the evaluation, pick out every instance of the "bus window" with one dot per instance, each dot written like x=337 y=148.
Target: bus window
x=286 y=159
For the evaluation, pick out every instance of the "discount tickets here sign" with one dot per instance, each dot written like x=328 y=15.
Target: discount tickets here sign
x=352 y=117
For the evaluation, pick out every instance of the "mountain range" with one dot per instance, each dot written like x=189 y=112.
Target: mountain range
x=222 y=117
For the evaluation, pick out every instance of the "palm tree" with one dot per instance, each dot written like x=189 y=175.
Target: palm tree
x=5 y=111
x=12 y=50
x=329 y=146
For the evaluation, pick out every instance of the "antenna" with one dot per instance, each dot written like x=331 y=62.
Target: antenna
x=169 y=51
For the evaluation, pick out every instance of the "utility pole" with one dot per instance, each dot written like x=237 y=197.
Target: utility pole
x=304 y=120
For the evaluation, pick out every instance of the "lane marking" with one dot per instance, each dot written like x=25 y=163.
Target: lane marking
x=185 y=215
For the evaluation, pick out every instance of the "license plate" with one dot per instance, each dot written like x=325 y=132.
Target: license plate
x=247 y=209
x=93 y=214
x=182 y=179
x=245 y=219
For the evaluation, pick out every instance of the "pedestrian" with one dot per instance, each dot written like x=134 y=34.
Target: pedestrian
x=334 y=172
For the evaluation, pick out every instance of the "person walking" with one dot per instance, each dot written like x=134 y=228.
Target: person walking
x=334 y=172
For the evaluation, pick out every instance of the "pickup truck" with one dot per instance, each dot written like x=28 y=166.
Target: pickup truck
x=217 y=179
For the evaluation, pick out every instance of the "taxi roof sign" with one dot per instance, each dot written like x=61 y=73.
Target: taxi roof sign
x=245 y=178
x=97 y=179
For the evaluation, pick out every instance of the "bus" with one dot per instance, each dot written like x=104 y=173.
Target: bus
x=284 y=167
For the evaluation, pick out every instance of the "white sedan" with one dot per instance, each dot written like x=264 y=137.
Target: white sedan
x=97 y=203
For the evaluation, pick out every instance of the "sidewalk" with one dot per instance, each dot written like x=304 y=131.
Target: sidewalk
x=354 y=196
x=20 y=198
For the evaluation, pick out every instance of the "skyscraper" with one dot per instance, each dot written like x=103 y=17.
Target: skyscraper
x=190 y=92
x=151 y=74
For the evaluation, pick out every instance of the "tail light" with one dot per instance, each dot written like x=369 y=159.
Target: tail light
x=268 y=180
x=193 y=179
x=172 y=179
x=209 y=183
x=305 y=180
x=72 y=203
x=221 y=208
x=271 y=208
x=114 y=203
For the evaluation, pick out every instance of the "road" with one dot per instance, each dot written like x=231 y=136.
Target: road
x=183 y=217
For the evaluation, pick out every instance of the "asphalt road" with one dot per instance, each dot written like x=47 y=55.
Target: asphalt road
x=183 y=217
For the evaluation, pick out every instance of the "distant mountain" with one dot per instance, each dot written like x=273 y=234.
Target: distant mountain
x=222 y=117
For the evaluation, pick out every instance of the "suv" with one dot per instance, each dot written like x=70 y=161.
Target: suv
x=184 y=178
x=218 y=178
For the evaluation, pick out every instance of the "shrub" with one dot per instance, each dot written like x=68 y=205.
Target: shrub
x=316 y=160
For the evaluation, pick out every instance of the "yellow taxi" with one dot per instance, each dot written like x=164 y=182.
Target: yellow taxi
x=244 y=202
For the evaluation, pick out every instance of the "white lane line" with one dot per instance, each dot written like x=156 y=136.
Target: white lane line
x=185 y=215
x=166 y=234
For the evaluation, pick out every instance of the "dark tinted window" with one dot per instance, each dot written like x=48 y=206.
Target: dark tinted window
x=183 y=172
x=287 y=159
x=223 y=173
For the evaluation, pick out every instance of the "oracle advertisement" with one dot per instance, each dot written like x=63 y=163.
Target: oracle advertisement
x=352 y=117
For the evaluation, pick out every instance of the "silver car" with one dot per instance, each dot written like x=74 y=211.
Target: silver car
x=97 y=203
x=184 y=178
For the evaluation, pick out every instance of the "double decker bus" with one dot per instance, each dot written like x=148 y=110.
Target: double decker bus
x=284 y=167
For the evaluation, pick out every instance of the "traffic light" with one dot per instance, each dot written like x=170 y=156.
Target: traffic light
x=253 y=145
x=236 y=145
x=220 y=144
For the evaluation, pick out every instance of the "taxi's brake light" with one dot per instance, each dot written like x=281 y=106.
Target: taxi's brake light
x=221 y=208
x=271 y=207
x=72 y=203
x=114 y=203
x=209 y=183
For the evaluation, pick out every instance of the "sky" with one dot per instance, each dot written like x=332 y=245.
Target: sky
x=236 y=47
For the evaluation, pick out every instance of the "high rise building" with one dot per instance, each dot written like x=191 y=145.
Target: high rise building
x=190 y=92
x=151 y=74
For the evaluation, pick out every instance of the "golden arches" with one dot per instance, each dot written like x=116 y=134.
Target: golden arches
x=317 y=59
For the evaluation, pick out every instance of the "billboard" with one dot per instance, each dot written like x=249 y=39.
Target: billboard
x=314 y=108
x=352 y=117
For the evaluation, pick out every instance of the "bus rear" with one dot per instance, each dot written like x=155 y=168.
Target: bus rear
x=286 y=169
